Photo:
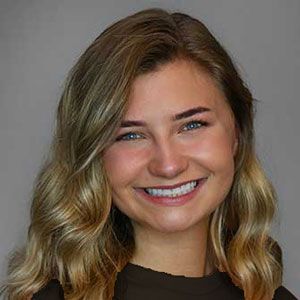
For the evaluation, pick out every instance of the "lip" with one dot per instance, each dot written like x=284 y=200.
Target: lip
x=172 y=201
x=167 y=187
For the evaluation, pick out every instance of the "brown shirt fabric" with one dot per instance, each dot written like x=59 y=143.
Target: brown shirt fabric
x=135 y=282
x=52 y=291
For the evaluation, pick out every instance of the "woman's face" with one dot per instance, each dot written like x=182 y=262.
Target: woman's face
x=160 y=150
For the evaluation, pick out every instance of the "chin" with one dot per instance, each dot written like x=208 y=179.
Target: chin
x=175 y=224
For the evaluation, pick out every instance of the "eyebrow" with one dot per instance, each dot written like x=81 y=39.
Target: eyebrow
x=183 y=115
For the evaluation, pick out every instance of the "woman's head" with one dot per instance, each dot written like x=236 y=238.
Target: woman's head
x=73 y=219
x=97 y=95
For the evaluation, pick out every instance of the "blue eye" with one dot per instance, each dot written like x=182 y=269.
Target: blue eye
x=128 y=136
x=195 y=125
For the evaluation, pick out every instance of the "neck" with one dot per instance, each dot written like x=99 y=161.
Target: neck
x=177 y=253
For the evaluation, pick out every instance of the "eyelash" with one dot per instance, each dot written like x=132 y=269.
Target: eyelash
x=202 y=124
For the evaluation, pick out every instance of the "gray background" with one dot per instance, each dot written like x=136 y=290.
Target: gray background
x=41 y=40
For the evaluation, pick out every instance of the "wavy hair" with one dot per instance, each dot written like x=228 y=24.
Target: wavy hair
x=76 y=234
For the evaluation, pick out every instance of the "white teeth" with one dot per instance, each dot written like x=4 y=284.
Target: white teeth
x=182 y=190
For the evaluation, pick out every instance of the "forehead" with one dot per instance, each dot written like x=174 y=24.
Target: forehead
x=174 y=87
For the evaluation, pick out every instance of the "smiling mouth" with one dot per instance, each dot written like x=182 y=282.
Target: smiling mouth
x=178 y=190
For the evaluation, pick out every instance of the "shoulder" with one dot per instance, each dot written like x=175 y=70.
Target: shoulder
x=53 y=290
x=283 y=294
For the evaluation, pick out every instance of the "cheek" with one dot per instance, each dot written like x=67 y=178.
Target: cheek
x=123 y=164
x=214 y=150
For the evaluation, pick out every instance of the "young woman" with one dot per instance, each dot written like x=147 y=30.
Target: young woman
x=152 y=189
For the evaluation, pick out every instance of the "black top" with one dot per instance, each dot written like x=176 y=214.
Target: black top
x=135 y=282
x=52 y=291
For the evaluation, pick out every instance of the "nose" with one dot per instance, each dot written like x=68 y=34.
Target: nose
x=167 y=160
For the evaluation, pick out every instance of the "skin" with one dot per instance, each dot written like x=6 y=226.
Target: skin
x=166 y=152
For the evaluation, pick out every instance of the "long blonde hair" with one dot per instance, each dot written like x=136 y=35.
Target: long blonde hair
x=76 y=234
